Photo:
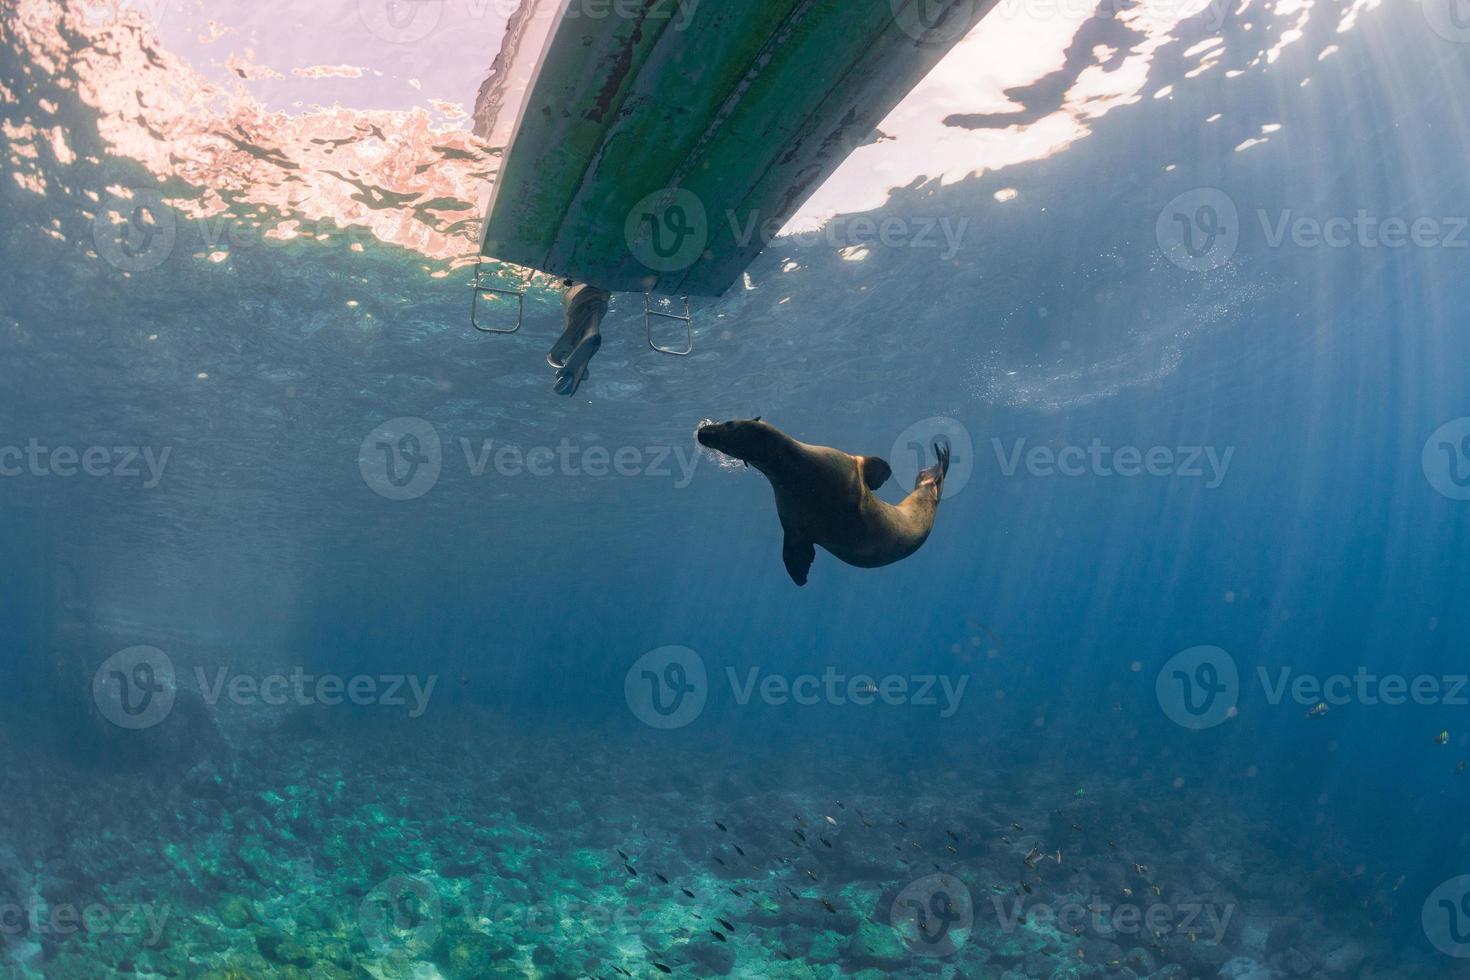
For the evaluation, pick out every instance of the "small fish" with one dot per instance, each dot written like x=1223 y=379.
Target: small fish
x=825 y=842
x=687 y=892
x=1004 y=838
x=1026 y=888
x=829 y=906
x=830 y=820
x=811 y=874
x=1398 y=884
x=1158 y=890
x=737 y=893
x=1140 y=868
x=725 y=923
x=721 y=860
x=1030 y=859
x=951 y=849
x=902 y=824
x=1443 y=738
x=661 y=878
x=793 y=892
x=717 y=934
x=1317 y=710
x=1127 y=893
x=799 y=821
x=953 y=836
x=622 y=855
x=1016 y=825
x=631 y=870
x=798 y=833
x=739 y=850
x=722 y=827
x=839 y=805
x=661 y=968
x=1461 y=766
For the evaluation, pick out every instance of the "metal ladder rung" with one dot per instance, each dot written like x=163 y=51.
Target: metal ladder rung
x=477 y=288
x=687 y=319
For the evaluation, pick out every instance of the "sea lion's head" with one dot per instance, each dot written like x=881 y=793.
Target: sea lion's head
x=748 y=440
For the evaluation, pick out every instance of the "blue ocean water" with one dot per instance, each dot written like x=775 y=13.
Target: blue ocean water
x=532 y=694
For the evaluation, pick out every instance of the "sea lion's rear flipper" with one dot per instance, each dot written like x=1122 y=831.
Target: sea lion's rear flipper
x=798 y=556
x=875 y=471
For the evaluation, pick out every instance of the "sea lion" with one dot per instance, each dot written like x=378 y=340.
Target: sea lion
x=825 y=496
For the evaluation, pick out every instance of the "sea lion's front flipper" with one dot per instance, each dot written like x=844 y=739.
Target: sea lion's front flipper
x=798 y=556
x=875 y=471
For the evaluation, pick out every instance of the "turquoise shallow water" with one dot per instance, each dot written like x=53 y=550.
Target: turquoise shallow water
x=538 y=699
